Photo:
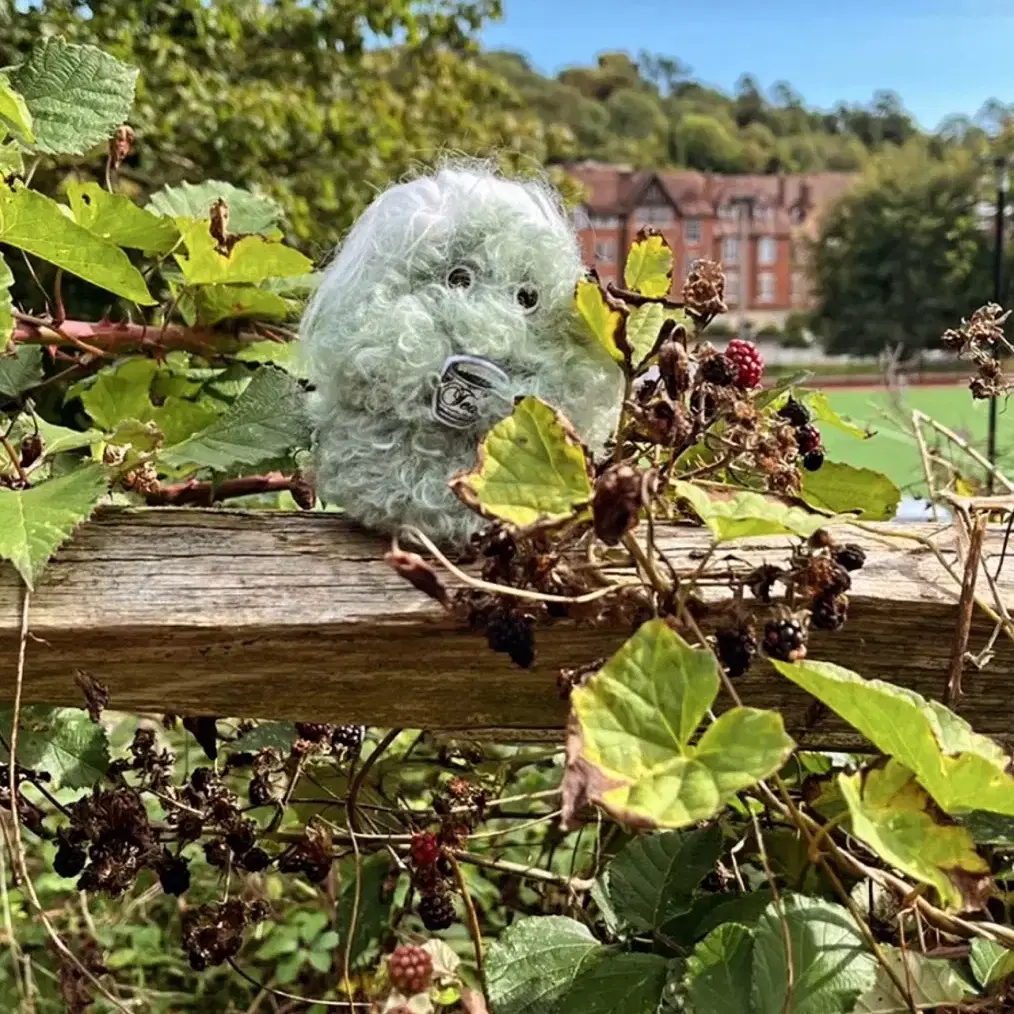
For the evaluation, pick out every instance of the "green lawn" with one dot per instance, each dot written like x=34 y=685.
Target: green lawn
x=895 y=452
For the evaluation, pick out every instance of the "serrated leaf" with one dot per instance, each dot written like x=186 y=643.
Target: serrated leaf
x=532 y=965
x=531 y=469
x=718 y=973
x=215 y=303
x=991 y=962
x=55 y=439
x=20 y=369
x=605 y=324
x=821 y=409
x=930 y=983
x=247 y=212
x=265 y=421
x=619 y=984
x=960 y=769
x=893 y=814
x=653 y=879
x=252 y=260
x=35 y=522
x=840 y=488
x=709 y=911
x=629 y=742
x=6 y=318
x=14 y=114
x=32 y=222
x=64 y=742
x=120 y=221
x=643 y=326
x=648 y=269
x=287 y=355
x=830 y=961
x=739 y=514
x=179 y=419
x=121 y=391
x=77 y=95
x=12 y=161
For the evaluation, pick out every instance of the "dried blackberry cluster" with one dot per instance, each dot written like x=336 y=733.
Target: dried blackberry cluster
x=214 y=933
x=981 y=339
x=313 y=856
x=316 y=738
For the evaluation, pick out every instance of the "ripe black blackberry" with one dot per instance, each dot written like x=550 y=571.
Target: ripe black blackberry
x=217 y=853
x=785 y=640
x=313 y=732
x=850 y=556
x=348 y=737
x=436 y=911
x=255 y=860
x=795 y=412
x=813 y=460
x=410 y=968
x=512 y=633
x=829 y=612
x=736 y=647
x=719 y=370
x=173 y=874
x=808 y=439
x=69 y=860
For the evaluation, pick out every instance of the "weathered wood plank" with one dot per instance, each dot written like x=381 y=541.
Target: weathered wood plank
x=298 y=616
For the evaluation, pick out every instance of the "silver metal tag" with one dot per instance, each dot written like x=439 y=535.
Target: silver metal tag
x=465 y=382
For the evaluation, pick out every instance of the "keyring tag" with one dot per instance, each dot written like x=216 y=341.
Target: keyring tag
x=465 y=382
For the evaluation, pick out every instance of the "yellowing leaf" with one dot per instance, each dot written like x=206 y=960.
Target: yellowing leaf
x=34 y=223
x=649 y=266
x=630 y=746
x=215 y=303
x=532 y=469
x=6 y=312
x=14 y=112
x=894 y=815
x=118 y=219
x=252 y=260
x=740 y=514
x=605 y=324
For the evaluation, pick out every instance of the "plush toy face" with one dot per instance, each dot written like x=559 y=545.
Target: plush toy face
x=452 y=295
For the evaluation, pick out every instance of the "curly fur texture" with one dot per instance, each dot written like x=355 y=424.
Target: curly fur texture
x=385 y=318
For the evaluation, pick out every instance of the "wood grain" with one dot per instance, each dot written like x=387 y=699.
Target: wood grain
x=297 y=616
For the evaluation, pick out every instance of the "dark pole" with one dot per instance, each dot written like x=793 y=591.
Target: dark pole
x=1000 y=165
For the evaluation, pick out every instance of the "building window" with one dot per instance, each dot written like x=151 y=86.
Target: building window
x=605 y=251
x=732 y=288
x=692 y=230
x=766 y=287
x=727 y=211
x=604 y=221
x=767 y=250
x=762 y=214
x=730 y=250
x=655 y=214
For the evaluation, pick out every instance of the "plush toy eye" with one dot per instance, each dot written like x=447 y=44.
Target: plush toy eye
x=528 y=298
x=460 y=277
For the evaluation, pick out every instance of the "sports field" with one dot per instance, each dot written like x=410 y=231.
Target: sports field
x=893 y=451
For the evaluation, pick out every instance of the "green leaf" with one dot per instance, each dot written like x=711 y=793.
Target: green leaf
x=321 y=960
x=829 y=959
x=311 y=924
x=77 y=95
x=215 y=303
x=988 y=828
x=287 y=355
x=35 y=522
x=892 y=813
x=264 y=422
x=247 y=212
x=719 y=972
x=643 y=326
x=653 y=879
x=605 y=324
x=533 y=963
x=532 y=469
x=252 y=260
x=739 y=514
x=279 y=735
x=374 y=909
x=820 y=407
x=960 y=769
x=55 y=439
x=32 y=222
x=841 y=489
x=14 y=114
x=121 y=391
x=120 y=221
x=179 y=419
x=930 y=983
x=6 y=312
x=648 y=269
x=277 y=944
x=712 y=910
x=12 y=161
x=20 y=369
x=634 y=722
x=64 y=742
x=619 y=984
x=991 y=962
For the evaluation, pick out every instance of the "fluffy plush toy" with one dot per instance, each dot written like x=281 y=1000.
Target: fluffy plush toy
x=451 y=295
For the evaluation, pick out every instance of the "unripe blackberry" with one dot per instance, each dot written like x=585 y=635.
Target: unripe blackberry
x=436 y=911
x=829 y=612
x=785 y=640
x=719 y=370
x=425 y=849
x=813 y=461
x=850 y=556
x=795 y=412
x=808 y=439
x=411 y=969
x=749 y=363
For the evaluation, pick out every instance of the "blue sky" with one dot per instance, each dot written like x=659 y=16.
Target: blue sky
x=940 y=56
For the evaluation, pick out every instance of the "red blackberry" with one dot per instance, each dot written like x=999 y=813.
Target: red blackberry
x=425 y=849
x=808 y=439
x=785 y=640
x=719 y=370
x=411 y=969
x=795 y=412
x=749 y=362
x=813 y=460
x=69 y=860
x=736 y=647
x=829 y=612
x=850 y=556
x=436 y=911
x=173 y=874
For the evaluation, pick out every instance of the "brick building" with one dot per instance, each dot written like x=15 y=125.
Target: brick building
x=753 y=224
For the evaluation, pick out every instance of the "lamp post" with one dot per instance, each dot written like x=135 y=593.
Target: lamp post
x=1000 y=170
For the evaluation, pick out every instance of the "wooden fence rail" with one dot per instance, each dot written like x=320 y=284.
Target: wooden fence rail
x=297 y=616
